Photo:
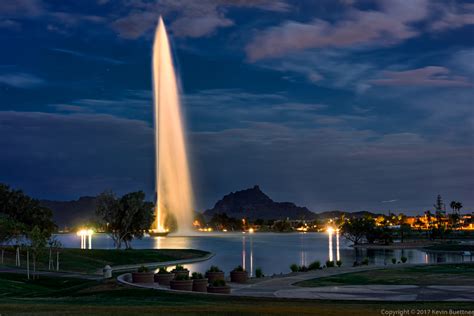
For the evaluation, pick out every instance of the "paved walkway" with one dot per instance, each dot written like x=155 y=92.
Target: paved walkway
x=129 y=267
x=283 y=287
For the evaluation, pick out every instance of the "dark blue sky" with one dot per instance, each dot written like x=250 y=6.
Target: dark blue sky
x=331 y=104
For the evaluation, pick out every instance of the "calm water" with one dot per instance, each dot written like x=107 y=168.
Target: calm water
x=273 y=252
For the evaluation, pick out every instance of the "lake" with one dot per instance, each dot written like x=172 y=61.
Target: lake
x=273 y=252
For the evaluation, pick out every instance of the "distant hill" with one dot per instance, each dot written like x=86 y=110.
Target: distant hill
x=72 y=213
x=253 y=203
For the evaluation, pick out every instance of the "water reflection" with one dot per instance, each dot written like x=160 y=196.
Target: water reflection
x=272 y=252
x=330 y=245
x=303 y=250
x=243 y=252
x=338 y=253
x=86 y=238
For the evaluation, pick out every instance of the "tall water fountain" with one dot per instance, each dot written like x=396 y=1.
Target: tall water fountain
x=173 y=181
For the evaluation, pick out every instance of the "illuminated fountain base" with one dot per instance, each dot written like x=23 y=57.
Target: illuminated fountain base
x=158 y=233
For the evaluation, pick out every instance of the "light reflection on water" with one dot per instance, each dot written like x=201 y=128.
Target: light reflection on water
x=272 y=252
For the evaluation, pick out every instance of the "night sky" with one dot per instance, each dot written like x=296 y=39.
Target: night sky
x=352 y=105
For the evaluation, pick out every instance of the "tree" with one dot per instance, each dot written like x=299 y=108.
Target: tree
x=125 y=218
x=458 y=207
x=38 y=239
x=25 y=211
x=453 y=206
x=405 y=231
x=357 y=229
x=439 y=207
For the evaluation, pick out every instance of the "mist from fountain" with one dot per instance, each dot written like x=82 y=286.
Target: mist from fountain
x=174 y=194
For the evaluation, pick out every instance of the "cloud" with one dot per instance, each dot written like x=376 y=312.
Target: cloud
x=10 y=24
x=21 y=80
x=186 y=18
x=332 y=168
x=26 y=8
x=390 y=25
x=389 y=201
x=56 y=155
x=88 y=56
x=433 y=76
x=453 y=16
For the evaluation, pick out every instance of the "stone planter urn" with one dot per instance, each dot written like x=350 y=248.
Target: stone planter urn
x=142 y=277
x=164 y=278
x=181 y=285
x=238 y=276
x=200 y=285
x=218 y=289
x=213 y=276
x=184 y=273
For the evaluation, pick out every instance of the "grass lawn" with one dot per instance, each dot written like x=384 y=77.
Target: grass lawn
x=445 y=274
x=91 y=260
x=60 y=296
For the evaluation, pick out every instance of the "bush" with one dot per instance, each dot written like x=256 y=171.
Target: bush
x=218 y=283
x=315 y=265
x=365 y=262
x=259 y=273
x=238 y=268
x=179 y=268
x=355 y=264
x=394 y=260
x=163 y=270
x=197 y=276
x=329 y=264
x=294 y=267
x=303 y=268
x=404 y=259
x=214 y=269
x=339 y=263
x=143 y=269
x=181 y=277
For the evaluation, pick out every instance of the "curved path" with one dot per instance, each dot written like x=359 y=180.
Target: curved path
x=129 y=267
x=282 y=287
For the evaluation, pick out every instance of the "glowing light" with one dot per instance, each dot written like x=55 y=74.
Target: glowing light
x=224 y=230
x=330 y=230
x=85 y=234
x=251 y=230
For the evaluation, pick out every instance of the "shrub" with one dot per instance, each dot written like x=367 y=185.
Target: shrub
x=259 y=273
x=238 y=268
x=315 y=265
x=181 y=277
x=365 y=261
x=163 y=270
x=179 y=268
x=214 y=269
x=143 y=269
x=294 y=267
x=355 y=264
x=404 y=259
x=329 y=264
x=339 y=263
x=394 y=260
x=218 y=283
x=197 y=276
x=303 y=268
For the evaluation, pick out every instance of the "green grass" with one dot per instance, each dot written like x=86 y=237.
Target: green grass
x=59 y=296
x=91 y=260
x=446 y=274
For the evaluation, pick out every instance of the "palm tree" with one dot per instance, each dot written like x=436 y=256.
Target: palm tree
x=458 y=206
x=453 y=205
